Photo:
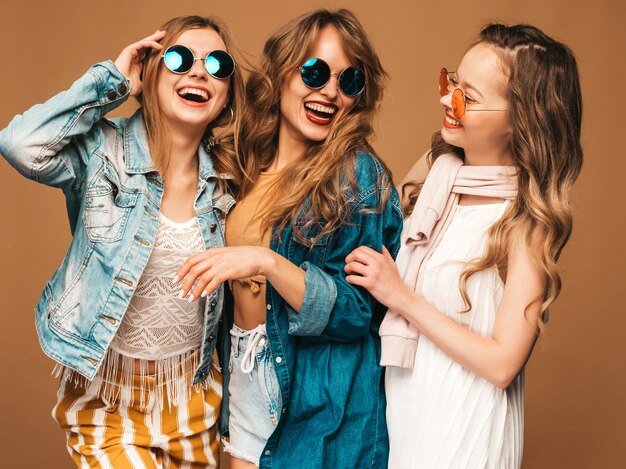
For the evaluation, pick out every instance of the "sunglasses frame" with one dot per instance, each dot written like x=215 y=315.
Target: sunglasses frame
x=338 y=75
x=199 y=58
x=444 y=89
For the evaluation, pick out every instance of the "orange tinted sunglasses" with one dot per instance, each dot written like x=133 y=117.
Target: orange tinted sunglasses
x=459 y=104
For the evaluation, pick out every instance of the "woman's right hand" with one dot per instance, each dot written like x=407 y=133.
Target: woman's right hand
x=130 y=60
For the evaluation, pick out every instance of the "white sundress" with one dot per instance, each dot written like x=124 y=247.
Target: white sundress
x=439 y=414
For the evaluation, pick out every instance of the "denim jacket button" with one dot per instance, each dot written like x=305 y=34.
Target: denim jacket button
x=269 y=307
x=267 y=452
x=279 y=359
x=122 y=89
x=213 y=227
x=112 y=95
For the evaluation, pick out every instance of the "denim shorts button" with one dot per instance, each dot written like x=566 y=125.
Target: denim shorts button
x=112 y=95
x=279 y=359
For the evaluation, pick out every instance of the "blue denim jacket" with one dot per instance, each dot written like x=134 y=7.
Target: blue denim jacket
x=113 y=196
x=327 y=355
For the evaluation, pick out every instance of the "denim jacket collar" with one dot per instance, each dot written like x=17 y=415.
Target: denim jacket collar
x=137 y=152
x=136 y=148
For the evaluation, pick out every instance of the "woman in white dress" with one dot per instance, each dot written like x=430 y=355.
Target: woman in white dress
x=477 y=268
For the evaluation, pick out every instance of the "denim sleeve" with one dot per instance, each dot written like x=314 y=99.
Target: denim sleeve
x=333 y=308
x=48 y=143
x=320 y=295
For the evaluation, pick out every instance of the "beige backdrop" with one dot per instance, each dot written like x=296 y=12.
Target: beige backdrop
x=575 y=409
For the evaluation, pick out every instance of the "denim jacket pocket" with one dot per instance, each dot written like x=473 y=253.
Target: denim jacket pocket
x=312 y=248
x=107 y=207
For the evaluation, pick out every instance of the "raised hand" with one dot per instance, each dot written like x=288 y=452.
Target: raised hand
x=130 y=60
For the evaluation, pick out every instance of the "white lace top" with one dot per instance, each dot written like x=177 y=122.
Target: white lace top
x=157 y=323
x=157 y=346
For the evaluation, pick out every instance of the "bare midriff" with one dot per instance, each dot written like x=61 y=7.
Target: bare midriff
x=244 y=228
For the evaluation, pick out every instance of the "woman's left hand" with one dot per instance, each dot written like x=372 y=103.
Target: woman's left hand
x=377 y=273
x=218 y=265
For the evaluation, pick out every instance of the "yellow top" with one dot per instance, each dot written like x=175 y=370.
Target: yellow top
x=243 y=228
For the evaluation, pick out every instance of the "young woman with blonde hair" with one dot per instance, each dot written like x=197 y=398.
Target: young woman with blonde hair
x=477 y=268
x=138 y=388
x=301 y=359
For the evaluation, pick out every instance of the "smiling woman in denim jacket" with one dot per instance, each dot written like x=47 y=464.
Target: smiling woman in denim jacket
x=302 y=369
x=143 y=194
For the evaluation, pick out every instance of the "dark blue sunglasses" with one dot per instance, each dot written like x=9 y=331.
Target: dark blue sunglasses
x=316 y=74
x=180 y=59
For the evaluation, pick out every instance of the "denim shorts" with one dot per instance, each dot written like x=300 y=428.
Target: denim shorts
x=255 y=400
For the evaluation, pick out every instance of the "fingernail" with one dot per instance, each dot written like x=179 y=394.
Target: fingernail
x=181 y=293
x=176 y=279
x=204 y=293
x=191 y=298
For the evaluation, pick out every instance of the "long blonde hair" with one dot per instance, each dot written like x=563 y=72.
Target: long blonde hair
x=545 y=114
x=319 y=174
x=221 y=129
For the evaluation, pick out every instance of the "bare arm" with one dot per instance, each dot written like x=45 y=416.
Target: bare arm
x=217 y=265
x=320 y=301
x=499 y=358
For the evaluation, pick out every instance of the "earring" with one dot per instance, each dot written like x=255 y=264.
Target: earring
x=232 y=116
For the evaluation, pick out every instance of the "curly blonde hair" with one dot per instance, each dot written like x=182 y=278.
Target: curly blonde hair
x=545 y=113
x=318 y=177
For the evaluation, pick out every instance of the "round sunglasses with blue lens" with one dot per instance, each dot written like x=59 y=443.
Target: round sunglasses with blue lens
x=180 y=59
x=316 y=74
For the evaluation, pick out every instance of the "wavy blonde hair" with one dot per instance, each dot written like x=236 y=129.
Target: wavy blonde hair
x=221 y=129
x=545 y=113
x=319 y=176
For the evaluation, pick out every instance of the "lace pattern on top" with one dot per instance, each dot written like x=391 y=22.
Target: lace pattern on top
x=159 y=338
x=157 y=323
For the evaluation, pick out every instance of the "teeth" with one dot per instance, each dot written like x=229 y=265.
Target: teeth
x=452 y=121
x=195 y=91
x=320 y=108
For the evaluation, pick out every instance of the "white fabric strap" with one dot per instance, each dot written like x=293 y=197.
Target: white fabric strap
x=256 y=338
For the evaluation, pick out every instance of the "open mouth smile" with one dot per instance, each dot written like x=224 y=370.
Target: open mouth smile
x=194 y=96
x=451 y=123
x=320 y=113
